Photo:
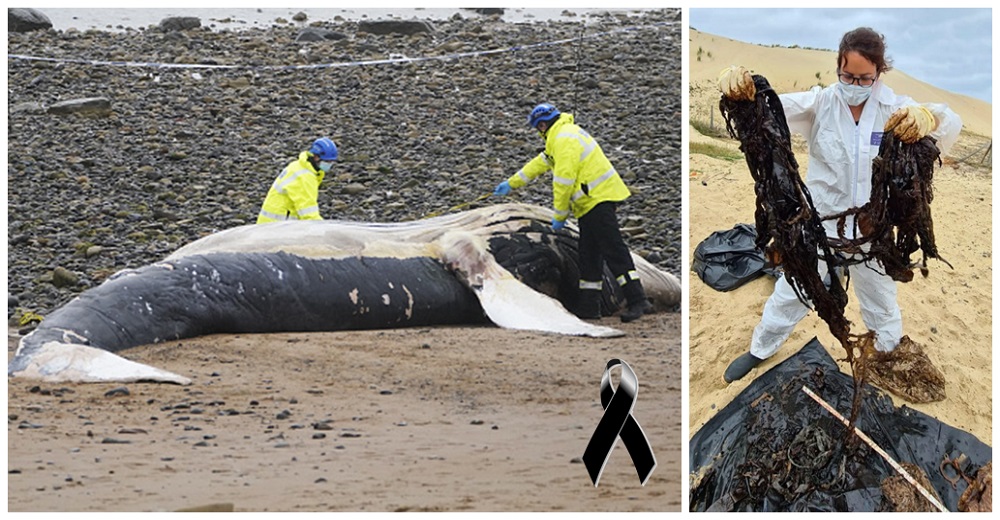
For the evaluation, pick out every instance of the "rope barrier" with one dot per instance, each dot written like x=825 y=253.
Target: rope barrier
x=391 y=60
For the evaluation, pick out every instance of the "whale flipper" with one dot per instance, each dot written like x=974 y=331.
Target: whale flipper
x=57 y=362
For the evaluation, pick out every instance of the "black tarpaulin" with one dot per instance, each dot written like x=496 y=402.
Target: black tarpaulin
x=729 y=258
x=751 y=455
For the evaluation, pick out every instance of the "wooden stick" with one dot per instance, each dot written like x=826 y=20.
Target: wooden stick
x=909 y=478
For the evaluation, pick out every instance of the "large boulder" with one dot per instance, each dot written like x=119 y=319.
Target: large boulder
x=313 y=34
x=395 y=26
x=486 y=11
x=96 y=106
x=180 y=23
x=24 y=20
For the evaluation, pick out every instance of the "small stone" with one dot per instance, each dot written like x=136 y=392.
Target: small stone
x=115 y=392
x=354 y=188
x=62 y=277
x=323 y=425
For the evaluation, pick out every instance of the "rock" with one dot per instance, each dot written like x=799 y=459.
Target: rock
x=299 y=17
x=115 y=392
x=354 y=188
x=487 y=11
x=26 y=20
x=222 y=507
x=96 y=106
x=93 y=251
x=237 y=83
x=162 y=214
x=452 y=47
x=407 y=27
x=28 y=107
x=62 y=277
x=314 y=34
x=179 y=23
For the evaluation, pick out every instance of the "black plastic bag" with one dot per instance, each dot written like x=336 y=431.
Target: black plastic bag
x=759 y=429
x=730 y=258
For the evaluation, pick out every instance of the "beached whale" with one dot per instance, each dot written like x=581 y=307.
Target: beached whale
x=501 y=263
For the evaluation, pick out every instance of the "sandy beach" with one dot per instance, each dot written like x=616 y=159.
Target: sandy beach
x=435 y=419
x=949 y=312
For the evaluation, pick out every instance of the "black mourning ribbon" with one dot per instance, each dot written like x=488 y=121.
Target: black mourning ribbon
x=618 y=422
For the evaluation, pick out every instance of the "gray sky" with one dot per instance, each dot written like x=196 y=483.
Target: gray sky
x=948 y=48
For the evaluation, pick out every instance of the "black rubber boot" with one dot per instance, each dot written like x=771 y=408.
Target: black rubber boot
x=589 y=306
x=740 y=367
x=637 y=302
x=636 y=311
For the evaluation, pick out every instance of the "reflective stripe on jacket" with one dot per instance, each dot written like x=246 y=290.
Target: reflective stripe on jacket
x=582 y=176
x=294 y=194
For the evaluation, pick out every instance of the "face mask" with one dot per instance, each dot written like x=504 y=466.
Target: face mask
x=854 y=95
x=325 y=166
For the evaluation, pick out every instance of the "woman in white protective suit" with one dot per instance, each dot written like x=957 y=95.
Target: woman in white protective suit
x=843 y=124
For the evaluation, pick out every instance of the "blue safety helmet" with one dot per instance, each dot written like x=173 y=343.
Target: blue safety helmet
x=324 y=149
x=543 y=112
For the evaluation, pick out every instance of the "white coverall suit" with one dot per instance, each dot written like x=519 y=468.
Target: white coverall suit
x=839 y=178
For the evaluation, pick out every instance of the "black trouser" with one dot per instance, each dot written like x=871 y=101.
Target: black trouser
x=601 y=241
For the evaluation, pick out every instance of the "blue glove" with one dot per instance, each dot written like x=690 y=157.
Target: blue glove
x=557 y=224
x=502 y=189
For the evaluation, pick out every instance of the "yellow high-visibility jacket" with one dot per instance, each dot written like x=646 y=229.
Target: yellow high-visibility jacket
x=294 y=194
x=582 y=177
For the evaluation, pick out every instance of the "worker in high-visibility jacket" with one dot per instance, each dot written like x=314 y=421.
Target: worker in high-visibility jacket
x=294 y=194
x=585 y=183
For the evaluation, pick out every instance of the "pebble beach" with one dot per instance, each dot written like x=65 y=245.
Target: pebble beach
x=180 y=147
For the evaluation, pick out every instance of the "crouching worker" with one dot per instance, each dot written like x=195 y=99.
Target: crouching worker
x=294 y=194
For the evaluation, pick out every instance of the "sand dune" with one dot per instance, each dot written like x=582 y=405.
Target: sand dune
x=791 y=70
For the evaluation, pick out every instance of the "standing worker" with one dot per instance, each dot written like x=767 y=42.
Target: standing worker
x=295 y=193
x=843 y=124
x=584 y=181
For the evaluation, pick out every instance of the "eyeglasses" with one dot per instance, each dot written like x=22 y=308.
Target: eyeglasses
x=863 y=81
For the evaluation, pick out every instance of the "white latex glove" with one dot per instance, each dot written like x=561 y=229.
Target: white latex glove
x=911 y=123
x=736 y=83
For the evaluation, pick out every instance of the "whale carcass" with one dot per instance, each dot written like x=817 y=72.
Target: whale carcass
x=500 y=263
